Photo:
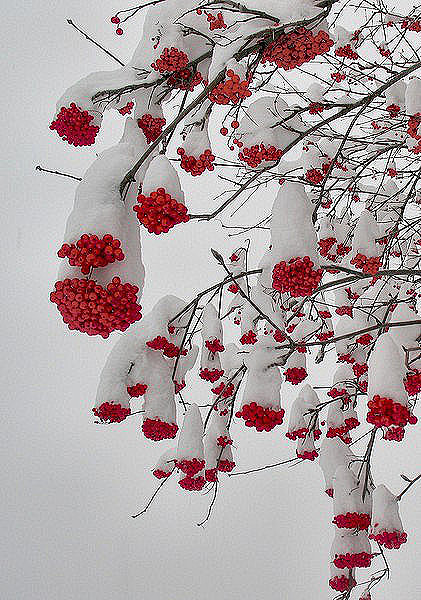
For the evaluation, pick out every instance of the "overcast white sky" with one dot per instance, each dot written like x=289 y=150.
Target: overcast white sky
x=69 y=486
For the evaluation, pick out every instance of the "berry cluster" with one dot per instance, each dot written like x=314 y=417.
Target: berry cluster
x=394 y=434
x=151 y=126
x=393 y=110
x=233 y=288
x=256 y=154
x=413 y=124
x=365 y=339
x=171 y=60
x=413 y=383
x=190 y=466
x=214 y=346
x=307 y=454
x=196 y=166
x=111 y=413
x=192 y=484
x=160 y=474
x=359 y=369
x=338 y=77
x=211 y=474
x=214 y=22
x=350 y=561
x=248 y=338
x=224 y=390
x=325 y=245
x=390 y=539
x=411 y=25
x=302 y=433
x=92 y=309
x=186 y=79
x=314 y=176
x=384 y=412
x=369 y=265
x=168 y=348
x=297 y=277
x=127 y=109
x=232 y=90
x=223 y=441
x=73 y=125
x=226 y=466
x=346 y=52
x=156 y=430
x=159 y=212
x=92 y=252
x=295 y=375
x=211 y=375
x=135 y=391
x=341 y=583
x=260 y=417
x=316 y=108
x=352 y=520
x=344 y=310
x=294 y=49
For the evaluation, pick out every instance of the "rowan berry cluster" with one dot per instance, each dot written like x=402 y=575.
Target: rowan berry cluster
x=127 y=109
x=196 y=166
x=413 y=382
x=160 y=474
x=352 y=520
x=214 y=346
x=171 y=60
x=168 y=348
x=135 y=391
x=248 y=338
x=411 y=25
x=190 y=466
x=92 y=252
x=295 y=375
x=341 y=583
x=111 y=413
x=384 y=412
x=211 y=375
x=301 y=433
x=346 y=52
x=351 y=561
x=307 y=454
x=232 y=90
x=216 y=22
x=92 y=309
x=369 y=265
x=338 y=77
x=256 y=154
x=260 y=417
x=226 y=466
x=316 y=108
x=156 y=430
x=294 y=49
x=151 y=126
x=223 y=441
x=390 y=539
x=192 y=484
x=159 y=212
x=224 y=390
x=393 y=110
x=296 y=277
x=73 y=125
x=314 y=176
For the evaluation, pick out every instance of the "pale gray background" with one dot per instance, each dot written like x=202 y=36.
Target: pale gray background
x=69 y=486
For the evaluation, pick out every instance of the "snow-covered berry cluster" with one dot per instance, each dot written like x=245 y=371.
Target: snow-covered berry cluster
x=296 y=277
x=260 y=417
x=159 y=212
x=196 y=166
x=151 y=126
x=294 y=49
x=90 y=308
x=256 y=154
x=90 y=252
x=230 y=91
x=75 y=126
